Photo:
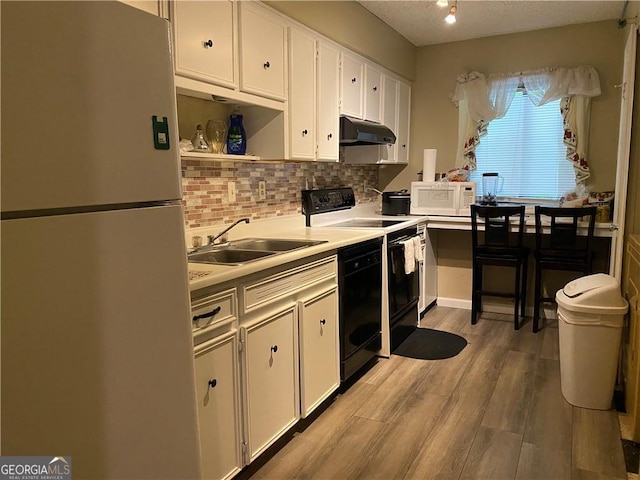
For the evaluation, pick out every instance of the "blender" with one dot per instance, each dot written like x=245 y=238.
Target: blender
x=490 y=187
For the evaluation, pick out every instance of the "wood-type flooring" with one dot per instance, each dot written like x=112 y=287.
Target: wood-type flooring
x=495 y=411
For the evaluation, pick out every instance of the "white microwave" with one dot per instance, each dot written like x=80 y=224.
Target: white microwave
x=442 y=198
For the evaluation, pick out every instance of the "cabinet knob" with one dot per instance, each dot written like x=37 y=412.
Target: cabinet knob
x=404 y=146
x=354 y=80
x=375 y=89
x=304 y=132
x=330 y=136
x=274 y=349
x=208 y=43
x=212 y=313
x=212 y=383
x=266 y=65
x=323 y=321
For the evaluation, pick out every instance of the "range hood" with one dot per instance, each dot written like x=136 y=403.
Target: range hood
x=357 y=132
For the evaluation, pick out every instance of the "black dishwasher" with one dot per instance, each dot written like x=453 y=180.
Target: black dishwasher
x=360 y=283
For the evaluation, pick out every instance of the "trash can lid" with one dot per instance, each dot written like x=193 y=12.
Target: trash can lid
x=598 y=293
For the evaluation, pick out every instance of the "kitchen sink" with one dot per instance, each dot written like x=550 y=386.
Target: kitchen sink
x=227 y=256
x=272 y=244
x=238 y=252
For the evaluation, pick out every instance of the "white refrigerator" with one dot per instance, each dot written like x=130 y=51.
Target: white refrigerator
x=96 y=345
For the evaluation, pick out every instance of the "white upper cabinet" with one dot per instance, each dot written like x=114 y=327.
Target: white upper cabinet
x=328 y=98
x=372 y=93
x=153 y=7
x=302 y=88
x=389 y=153
x=205 y=41
x=402 y=129
x=396 y=99
x=262 y=52
x=351 y=86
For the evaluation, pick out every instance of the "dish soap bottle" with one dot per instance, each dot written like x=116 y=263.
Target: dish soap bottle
x=199 y=142
x=236 y=137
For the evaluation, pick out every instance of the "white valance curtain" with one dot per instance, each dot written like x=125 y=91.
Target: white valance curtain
x=481 y=99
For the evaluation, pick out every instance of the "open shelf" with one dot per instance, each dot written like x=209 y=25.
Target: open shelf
x=219 y=156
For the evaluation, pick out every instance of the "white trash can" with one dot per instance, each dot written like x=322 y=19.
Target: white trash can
x=590 y=317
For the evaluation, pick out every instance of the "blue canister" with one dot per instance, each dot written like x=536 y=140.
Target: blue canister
x=236 y=136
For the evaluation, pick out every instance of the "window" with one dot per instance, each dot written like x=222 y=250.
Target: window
x=525 y=147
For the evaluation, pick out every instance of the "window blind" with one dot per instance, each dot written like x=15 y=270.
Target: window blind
x=525 y=147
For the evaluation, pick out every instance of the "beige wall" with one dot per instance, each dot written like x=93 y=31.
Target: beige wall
x=353 y=26
x=434 y=119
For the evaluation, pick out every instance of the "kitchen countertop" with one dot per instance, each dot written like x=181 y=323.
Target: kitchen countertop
x=464 y=223
x=292 y=227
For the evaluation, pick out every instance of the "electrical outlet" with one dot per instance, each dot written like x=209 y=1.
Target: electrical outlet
x=262 y=190
x=231 y=191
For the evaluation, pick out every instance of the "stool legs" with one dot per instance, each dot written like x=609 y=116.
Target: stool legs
x=536 y=299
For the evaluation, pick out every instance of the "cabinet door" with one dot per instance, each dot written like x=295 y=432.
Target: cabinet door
x=204 y=37
x=319 y=349
x=262 y=52
x=351 y=86
x=302 y=107
x=328 y=90
x=218 y=406
x=389 y=152
x=150 y=6
x=372 y=94
x=271 y=382
x=404 y=113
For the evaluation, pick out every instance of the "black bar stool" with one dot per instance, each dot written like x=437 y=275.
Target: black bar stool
x=501 y=246
x=562 y=248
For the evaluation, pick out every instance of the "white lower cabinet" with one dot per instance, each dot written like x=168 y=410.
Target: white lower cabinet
x=266 y=349
x=319 y=349
x=270 y=376
x=217 y=389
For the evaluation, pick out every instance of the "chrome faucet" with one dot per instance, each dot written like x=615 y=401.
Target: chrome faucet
x=213 y=238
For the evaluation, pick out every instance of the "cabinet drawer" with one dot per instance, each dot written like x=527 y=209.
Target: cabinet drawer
x=214 y=310
x=274 y=287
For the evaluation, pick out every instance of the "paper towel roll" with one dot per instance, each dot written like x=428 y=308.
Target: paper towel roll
x=429 y=165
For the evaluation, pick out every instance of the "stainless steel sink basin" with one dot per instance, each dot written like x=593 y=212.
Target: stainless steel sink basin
x=239 y=252
x=227 y=256
x=272 y=244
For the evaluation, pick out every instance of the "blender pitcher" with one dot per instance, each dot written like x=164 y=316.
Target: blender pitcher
x=491 y=185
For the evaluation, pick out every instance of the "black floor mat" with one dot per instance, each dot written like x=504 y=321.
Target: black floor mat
x=429 y=344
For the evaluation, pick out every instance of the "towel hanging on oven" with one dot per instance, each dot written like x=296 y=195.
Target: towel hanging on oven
x=410 y=254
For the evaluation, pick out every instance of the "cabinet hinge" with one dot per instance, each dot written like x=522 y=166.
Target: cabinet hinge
x=244 y=448
x=240 y=346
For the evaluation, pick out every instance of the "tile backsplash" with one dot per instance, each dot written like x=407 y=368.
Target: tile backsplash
x=205 y=187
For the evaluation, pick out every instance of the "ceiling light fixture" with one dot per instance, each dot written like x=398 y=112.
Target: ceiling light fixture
x=451 y=18
x=442 y=3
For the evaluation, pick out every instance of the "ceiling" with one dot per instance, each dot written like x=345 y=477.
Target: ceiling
x=422 y=21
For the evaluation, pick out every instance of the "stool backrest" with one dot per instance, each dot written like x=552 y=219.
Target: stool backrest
x=563 y=229
x=499 y=223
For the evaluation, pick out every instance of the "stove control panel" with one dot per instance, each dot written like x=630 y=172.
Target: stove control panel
x=326 y=200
